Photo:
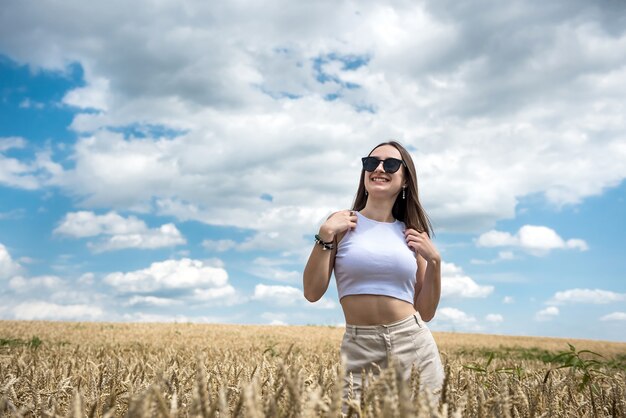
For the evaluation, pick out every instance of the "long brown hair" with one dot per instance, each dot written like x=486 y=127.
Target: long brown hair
x=408 y=210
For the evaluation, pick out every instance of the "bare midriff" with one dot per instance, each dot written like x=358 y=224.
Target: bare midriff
x=374 y=309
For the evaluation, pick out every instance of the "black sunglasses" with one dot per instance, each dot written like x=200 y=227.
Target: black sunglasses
x=390 y=165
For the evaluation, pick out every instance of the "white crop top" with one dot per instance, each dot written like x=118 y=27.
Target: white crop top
x=375 y=259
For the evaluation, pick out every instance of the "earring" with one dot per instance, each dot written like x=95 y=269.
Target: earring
x=366 y=193
x=403 y=193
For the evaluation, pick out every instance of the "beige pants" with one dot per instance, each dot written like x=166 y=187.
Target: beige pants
x=410 y=342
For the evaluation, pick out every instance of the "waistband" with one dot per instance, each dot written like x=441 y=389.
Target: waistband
x=409 y=321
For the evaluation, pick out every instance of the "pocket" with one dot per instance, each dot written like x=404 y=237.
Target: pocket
x=422 y=337
x=361 y=350
x=420 y=321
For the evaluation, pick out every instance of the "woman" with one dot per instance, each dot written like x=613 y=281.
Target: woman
x=388 y=272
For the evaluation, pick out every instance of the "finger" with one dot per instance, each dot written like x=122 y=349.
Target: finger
x=416 y=231
x=412 y=242
x=415 y=245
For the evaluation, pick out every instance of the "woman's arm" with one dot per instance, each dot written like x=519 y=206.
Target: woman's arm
x=318 y=269
x=427 y=286
x=428 y=276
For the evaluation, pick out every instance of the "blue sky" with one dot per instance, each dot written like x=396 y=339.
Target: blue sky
x=169 y=167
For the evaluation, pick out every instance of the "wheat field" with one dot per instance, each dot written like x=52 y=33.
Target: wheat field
x=214 y=370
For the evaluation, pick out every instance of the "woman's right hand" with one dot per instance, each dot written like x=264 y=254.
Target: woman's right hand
x=336 y=223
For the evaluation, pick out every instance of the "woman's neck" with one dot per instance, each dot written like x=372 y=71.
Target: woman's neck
x=378 y=210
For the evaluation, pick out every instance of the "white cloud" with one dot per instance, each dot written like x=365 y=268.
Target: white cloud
x=506 y=255
x=276 y=228
x=282 y=295
x=454 y=283
x=524 y=116
x=615 y=316
x=29 y=175
x=494 y=318
x=495 y=238
x=225 y=294
x=323 y=303
x=536 y=240
x=13 y=214
x=578 y=244
x=464 y=286
x=170 y=274
x=453 y=318
x=455 y=315
x=178 y=318
x=87 y=224
x=21 y=284
x=508 y=299
x=595 y=296
x=219 y=245
x=64 y=298
x=32 y=310
x=276 y=318
x=288 y=296
x=31 y=104
x=70 y=294
x=87 y=278
x=269 y=269
x=502 y=256
x=547 y=314
x=541 y=238
x=8 y=267
x=93 y=96
x=122 y=232
x=165 y=236
x=7 y=143
x=214 y=262
x=152 y=301
x=175 y=283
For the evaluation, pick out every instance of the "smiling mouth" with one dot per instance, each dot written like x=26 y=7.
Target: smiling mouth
x=379 y=180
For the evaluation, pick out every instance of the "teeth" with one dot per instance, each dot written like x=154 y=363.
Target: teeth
x=379 y=179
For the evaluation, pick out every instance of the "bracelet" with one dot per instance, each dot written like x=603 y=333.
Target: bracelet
x=325 y=245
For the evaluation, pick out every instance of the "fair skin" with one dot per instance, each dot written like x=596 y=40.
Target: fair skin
x=377 y=309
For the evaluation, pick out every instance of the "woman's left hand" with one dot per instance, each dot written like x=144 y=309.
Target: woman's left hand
x=421 y=244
